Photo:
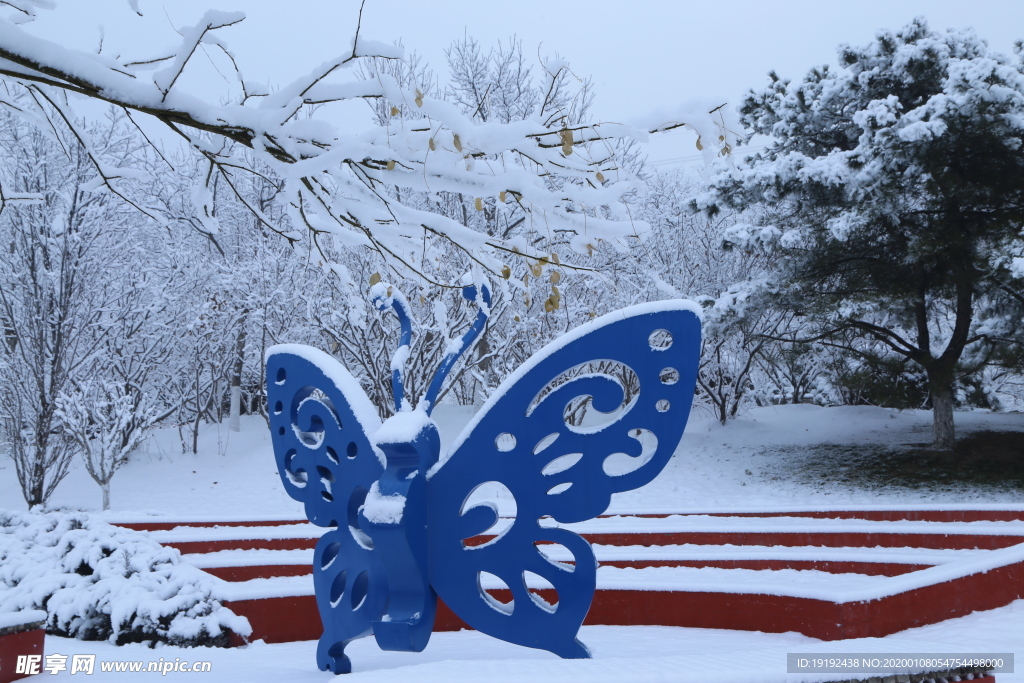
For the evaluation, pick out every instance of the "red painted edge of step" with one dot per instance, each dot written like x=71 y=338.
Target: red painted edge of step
x=278 y=620
x=267 y=571
x=932 y=604
x=28 y=642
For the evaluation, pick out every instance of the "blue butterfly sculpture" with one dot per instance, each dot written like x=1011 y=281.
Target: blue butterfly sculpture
x=403 y=529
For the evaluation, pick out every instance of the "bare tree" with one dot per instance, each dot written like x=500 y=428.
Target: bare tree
x=51 y=292
x=734 y=342
x=106 y=421
x=793 y=368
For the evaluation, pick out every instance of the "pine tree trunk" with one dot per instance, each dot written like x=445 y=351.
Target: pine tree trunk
x=106 y=495
x=943 y=430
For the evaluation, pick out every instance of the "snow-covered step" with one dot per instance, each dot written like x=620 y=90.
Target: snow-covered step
x=651 y=531
x=163 y=523
x=814 y=584
x=284 y=608
x=249 y=558
x=742 y=552
x=795 y=583
x=868 y=561
x=945 y=512
x=819 y=604
x=243 y=565
x=274 y=587
x=203 y=539
x=780 y=523
x=790 y=531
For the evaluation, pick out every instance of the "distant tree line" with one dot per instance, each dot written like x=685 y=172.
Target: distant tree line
x=871 y=254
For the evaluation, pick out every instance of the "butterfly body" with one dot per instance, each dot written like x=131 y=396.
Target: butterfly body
x=409 y=525
x=402 y=540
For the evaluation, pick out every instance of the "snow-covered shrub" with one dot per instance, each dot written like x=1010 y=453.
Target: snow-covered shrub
x=875 y=378
x=1003 y=390
x=101 y=582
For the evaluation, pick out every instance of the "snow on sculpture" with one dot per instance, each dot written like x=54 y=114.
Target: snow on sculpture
x=404 y=529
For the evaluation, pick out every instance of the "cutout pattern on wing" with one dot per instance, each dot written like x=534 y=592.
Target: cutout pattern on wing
x=598 y=412
x=319 y=421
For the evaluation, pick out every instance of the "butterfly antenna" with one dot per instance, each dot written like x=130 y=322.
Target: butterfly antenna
x=484 y=301
x=387 y=297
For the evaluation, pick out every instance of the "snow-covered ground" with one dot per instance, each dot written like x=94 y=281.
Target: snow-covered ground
x=621 y=653
x=715 y=468
x=737 y=467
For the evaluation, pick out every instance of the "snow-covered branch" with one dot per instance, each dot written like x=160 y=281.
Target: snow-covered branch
x=343 y=187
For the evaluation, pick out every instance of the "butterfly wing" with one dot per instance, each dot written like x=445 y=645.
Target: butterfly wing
x=560 y=455
x=320 y=420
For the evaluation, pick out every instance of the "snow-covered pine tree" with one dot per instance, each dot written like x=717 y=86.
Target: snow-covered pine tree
x=894 y=199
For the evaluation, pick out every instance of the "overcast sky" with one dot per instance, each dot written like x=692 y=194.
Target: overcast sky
x=641 y=54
